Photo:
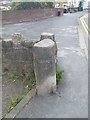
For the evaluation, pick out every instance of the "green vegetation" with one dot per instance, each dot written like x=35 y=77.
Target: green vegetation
x=80 y=6
x=14 y=76
x=30 y=5
x=31 y=77
x=2 y=118
x=59 y=75
x=27 y=77
x=14 y=102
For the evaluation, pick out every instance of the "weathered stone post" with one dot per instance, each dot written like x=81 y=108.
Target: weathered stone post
x=44 y=66
x=51 y=36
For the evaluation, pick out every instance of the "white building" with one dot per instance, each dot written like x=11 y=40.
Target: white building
x=85 y=4
x=73 y=2
x=69 y=2
x=76 y=3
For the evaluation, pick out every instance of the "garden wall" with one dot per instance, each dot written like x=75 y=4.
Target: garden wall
x=17 y=59
x=27 y=15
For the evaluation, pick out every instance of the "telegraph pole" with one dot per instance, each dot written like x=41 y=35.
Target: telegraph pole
x=60 y=3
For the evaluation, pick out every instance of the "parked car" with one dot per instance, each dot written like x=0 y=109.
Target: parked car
x=4 y=8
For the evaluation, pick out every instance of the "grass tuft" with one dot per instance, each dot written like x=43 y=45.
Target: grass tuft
x=59 y=75
x=14 y=102
x=28 y=77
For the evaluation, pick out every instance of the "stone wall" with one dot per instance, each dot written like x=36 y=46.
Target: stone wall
x=26 y=15
x=17 y=53
x=17 y=58
x=20 y=57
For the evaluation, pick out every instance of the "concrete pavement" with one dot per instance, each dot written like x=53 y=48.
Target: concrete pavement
x=71 y=100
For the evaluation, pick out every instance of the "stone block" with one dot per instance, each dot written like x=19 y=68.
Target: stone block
x=45 y=35
x=17 y=57
x=7 y=43
x=17 y=38
x=51 y=36
x=44 y=66
x=27 y=44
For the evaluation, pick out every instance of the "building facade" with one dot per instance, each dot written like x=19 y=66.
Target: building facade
x=73 y=2
x=69 y=2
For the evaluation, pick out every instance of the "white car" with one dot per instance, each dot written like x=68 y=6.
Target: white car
x=4 y=8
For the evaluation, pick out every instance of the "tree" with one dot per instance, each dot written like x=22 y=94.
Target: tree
x=80 y=6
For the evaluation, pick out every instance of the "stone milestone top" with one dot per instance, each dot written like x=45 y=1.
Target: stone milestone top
x=45 y=33
x=45 y=43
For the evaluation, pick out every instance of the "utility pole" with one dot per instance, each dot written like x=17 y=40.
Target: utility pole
x=60 y=3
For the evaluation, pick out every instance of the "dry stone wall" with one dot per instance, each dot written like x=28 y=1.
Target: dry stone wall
x=17 y=57
x=21 y=57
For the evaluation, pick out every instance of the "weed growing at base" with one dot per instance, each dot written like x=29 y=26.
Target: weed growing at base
x=14 y=102
x=28 y=77
x=59 y=75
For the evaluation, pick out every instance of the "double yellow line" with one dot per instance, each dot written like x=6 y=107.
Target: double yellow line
x=87 y=29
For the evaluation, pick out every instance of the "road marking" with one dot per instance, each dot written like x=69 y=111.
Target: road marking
x=87 y=30
x=85 y=24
